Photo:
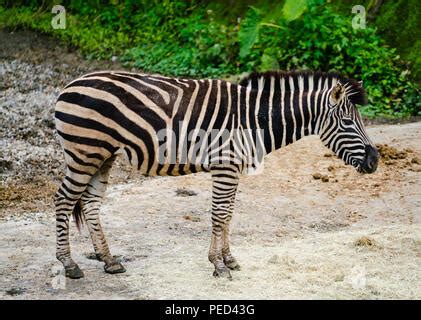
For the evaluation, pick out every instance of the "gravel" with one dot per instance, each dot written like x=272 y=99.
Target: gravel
x=33 y=69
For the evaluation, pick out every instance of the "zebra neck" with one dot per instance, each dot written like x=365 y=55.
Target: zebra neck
x=287 y=116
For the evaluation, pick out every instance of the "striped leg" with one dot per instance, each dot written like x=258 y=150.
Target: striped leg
x=91 y=203
x=225 y=182
x=65 y=201
x=229 y=260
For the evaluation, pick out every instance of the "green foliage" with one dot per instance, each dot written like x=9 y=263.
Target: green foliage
x=402 y=28
x=249 y=30
x=398 y=23
x=293 y=9
x=324 y=40
x=188 y=38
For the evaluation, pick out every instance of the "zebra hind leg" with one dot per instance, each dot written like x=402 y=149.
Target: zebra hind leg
x=65 y=200
x=91 y=201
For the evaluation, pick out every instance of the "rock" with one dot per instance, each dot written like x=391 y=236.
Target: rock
x=126 y=258
x=364 y=242
x=15 y=291
x=5 y=165
x=274 y=259
x=317 y=176
x=194 y=219
x=339 y=277
x=182 y=192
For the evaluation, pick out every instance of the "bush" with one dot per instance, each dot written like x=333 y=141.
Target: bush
x=188 y=38
x=324 y=40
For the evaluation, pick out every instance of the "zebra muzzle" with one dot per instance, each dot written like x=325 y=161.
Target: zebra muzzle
x=371 y=160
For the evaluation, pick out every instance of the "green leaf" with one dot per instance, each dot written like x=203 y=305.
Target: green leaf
x=268 y=63
x=293 y=9
x=249 y=31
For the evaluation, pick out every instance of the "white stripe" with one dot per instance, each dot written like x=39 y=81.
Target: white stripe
x=169 y=132
x=224 y=124
x=291 y=87
x=318 y=106
x=259 y=143
x=300 y=103
x=270 y=112
x=200 y=119
x=309 y=93
x=204 y=147
x=183 y=133
x=248 y=90
x=284 y=125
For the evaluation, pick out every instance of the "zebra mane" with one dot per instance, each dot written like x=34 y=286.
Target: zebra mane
x=354 y=89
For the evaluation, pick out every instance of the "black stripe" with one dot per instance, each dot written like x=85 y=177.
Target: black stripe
x=147 y=91
x=74 y=170
x=126 y=98
x=108 y=110
x=95 y=125
x=88 y=141
x=70 y=190
x=80 y=161
x=74 y=182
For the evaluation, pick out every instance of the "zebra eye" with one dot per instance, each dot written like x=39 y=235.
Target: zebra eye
x=347 y=121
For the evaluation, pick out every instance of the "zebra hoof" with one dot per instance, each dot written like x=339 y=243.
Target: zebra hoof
x=222 y=273
x=232 y=264
x=115 y=267
x=74 y=272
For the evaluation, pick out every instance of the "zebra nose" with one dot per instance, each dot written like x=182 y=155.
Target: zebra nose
x=372 y=158
x=370 y=163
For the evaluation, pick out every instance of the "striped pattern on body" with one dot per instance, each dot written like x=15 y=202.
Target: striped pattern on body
x=167 y=126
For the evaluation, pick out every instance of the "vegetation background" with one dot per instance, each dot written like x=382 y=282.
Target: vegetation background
x=226 y=38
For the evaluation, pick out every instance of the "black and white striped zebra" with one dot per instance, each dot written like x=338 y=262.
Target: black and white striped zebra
x=168 y=126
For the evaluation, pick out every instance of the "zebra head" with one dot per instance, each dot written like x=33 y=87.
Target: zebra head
x=343 y=131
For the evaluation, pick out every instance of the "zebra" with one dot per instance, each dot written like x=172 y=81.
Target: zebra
x=106 y=114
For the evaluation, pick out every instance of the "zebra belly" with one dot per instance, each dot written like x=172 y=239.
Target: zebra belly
x=161 y=169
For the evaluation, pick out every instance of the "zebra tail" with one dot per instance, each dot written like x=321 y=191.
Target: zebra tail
x=77 y=215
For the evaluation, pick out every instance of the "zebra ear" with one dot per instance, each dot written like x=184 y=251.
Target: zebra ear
x=337 y=94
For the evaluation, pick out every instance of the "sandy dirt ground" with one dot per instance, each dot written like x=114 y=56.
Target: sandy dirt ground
x=307 y=227
x=354 y=236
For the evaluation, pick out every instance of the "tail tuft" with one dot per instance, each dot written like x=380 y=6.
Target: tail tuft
x=77 y=215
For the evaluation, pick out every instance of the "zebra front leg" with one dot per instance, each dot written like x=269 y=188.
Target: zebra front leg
x=229 y=259
x=225 y=182
x=91 y=203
